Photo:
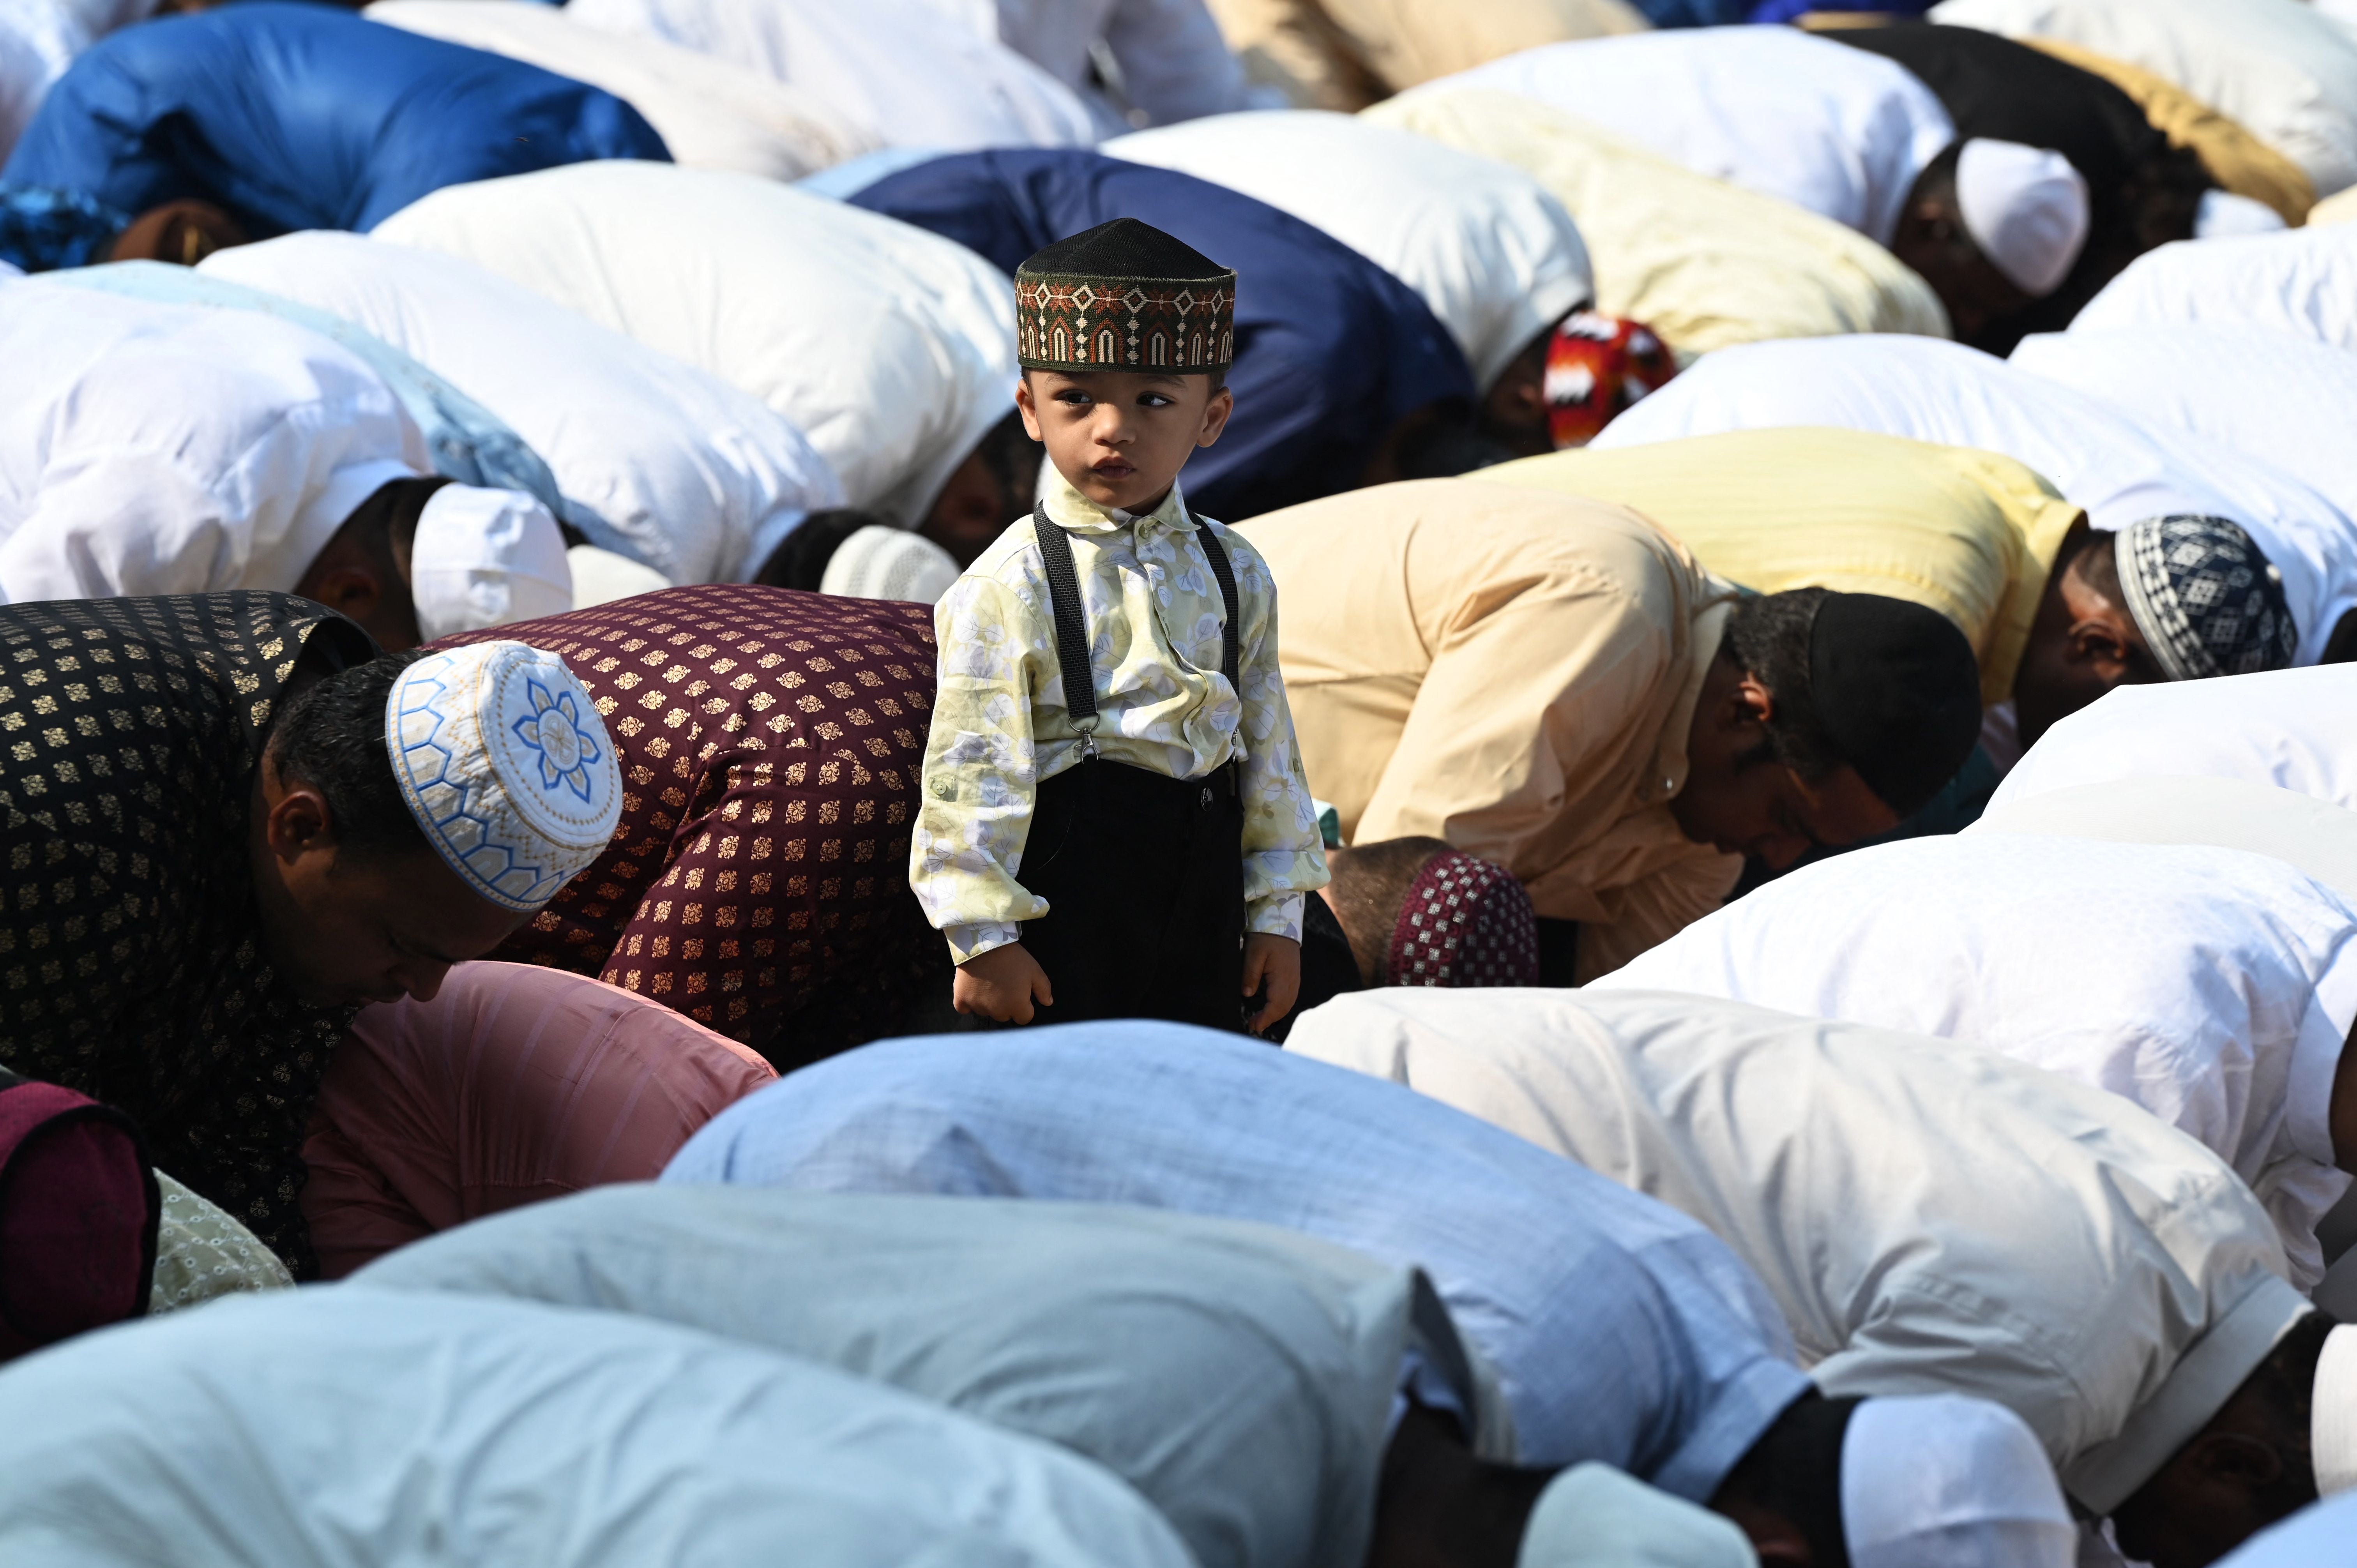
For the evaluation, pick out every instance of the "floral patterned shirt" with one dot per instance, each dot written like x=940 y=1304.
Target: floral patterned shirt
x=1000 y=727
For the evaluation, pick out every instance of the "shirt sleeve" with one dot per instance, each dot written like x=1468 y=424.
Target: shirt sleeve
x=1285 y=856
x=1174 y=63
x=123 y=523
x=981 y=770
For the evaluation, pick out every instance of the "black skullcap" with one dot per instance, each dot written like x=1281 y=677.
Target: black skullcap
x=1124 y=297
x=1898 y=689
x=1125 y=248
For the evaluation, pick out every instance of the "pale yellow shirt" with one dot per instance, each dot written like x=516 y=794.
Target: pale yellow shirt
x=1514 y=672
x=1703 y=262
x=1000 y=726
x=1968 y=533
x=1346 y=54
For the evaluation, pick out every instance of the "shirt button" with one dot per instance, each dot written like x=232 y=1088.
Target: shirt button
x=1207 y=799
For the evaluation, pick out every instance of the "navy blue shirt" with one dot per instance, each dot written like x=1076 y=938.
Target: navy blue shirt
x=294 y=116
x=1331 y=350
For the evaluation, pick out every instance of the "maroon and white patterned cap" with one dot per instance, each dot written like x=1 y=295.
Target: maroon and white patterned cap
x=1464 y=922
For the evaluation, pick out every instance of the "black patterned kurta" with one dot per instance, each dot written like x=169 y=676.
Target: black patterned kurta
x=131 y=965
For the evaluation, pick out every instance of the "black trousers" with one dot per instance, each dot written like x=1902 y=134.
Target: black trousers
x=1145 y=882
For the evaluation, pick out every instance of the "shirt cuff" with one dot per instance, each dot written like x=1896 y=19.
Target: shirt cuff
x=1279 y=915
x=972 y=939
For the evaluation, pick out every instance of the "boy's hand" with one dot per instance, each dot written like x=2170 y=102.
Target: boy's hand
x=1001 y=985
x=1278 y=960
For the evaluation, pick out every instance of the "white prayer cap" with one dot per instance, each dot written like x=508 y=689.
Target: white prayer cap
x=1945 y=1481
x=484 y=558
x=881 y=563
x=2332 y=1413
x=506 y=765
x=2027 y=209
x=2224 y=214
x=1592 y=1516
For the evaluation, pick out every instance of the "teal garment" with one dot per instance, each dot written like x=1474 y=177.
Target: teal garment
x=469 y=443
x=1240 y=1377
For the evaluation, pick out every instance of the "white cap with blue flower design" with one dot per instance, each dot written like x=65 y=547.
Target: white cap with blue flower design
x=507 y=765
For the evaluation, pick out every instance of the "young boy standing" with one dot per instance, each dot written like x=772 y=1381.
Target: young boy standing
x=1110 y=722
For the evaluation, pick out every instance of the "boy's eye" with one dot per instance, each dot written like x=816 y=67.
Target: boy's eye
x=1073 y=395
x=1156 y=399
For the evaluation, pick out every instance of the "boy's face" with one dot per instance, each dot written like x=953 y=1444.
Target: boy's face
x=1121 y=436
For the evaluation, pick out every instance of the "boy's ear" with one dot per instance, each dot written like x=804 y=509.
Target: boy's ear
x=1029 y=410
x=1215 y=416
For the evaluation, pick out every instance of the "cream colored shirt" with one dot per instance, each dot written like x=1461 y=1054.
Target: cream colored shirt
x=1514 y=672
x=1931 y=1216
x=1968 y=533
x=1000 y=726
x=1703 y=262
x=1346 y=54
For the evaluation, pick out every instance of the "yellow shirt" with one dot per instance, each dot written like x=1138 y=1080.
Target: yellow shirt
x=1000 y=726
x=1703 y=262
x=1514 y=672
x=2235 y=158
x=1968 y=533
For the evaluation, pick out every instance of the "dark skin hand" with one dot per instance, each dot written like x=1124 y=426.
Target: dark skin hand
x=179 y=232
x=1748 y=804
x=2083 y=642
x=348 y=928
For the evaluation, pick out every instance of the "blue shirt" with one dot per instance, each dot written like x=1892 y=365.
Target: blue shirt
x=1620 y=1330
x=1331 y=350
x=294 y=116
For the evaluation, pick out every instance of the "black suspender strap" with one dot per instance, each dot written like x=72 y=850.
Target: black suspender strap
x=1072 y=625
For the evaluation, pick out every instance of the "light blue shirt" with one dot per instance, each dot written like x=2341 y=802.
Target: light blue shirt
x=1618 y=1329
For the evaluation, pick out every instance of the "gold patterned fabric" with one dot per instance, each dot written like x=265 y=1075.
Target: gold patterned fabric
x=131 y=960
x=770 y=742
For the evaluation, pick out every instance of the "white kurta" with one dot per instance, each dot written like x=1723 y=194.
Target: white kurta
x=342 y=1427
x=1839 y=131
x=173 y=449
x=1495 y=256
x=710 y=114
x=699 y=479
x=1931 y=1216
x=2284 y=400
x=2212 y=987
x=1174 y=64
x=2286 y=727
x=2282 y=68
x=39 y=38
x=1241 y=1377
x=892 y=348
x=892 y=68
x=2303 y=281
x=2118 y=468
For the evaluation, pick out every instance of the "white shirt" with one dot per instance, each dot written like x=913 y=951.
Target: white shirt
x=2119 y=470
x=153 y=448
x=2285 y=727
x=2281 y=399
x=2283 y=69
x=892 y=348
x=2312 y=1538
x=1495 y=256
x=2212 y=987
x=710 y=114
x=1174 y=63
x=1839 y=131
x=2302 y=281
x=1932 y=1217
x=700 y=479
x=893 y=68
x=39 y=38
x=343 y=1427
x=1241 y=1377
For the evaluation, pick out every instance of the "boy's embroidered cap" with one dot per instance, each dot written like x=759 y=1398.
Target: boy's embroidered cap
x=1124 y=297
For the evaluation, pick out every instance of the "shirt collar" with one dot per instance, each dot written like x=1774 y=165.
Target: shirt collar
x=1669 y=764
x=1073 y=510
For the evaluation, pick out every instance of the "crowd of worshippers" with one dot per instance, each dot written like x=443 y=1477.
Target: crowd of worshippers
x=649 y=745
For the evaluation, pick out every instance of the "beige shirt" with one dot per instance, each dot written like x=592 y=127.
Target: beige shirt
x=1346 y=54
x=1931 y=1216
x=1514 y=672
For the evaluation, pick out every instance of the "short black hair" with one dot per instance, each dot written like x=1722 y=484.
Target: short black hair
x=1794 y=1471
x=1370 y=884
x=800 y=560
x=1769 y=637
x=330 y=735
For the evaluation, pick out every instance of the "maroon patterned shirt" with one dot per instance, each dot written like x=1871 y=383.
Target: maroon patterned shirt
x=771 y=744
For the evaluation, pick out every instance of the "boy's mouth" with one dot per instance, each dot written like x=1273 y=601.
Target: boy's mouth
x=1113 y=468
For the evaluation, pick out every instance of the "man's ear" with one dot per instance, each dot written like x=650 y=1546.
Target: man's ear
x=1751 y=702
x=352 y=591
x=298 y=821
x=2098 y=643
x=1029 y=410
x=1215 y=416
